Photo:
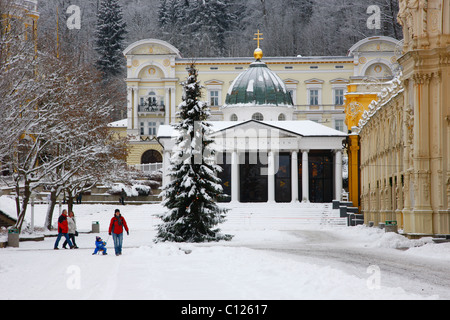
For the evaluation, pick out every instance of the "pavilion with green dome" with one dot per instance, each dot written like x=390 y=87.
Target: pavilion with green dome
x=266 y=155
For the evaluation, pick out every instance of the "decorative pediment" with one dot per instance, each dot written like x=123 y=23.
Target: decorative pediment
x=374 y=44
x=214 y=83
x=151 y=47
x=291 y=82
x=314 y=81
x=340 y=81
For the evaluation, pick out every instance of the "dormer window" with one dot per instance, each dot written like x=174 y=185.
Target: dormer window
x=258 y=117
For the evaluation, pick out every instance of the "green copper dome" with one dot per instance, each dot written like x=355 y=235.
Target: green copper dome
x=258 y=86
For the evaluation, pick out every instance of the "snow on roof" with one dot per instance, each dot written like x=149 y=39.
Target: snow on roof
x=119 y=124
x=304 y=128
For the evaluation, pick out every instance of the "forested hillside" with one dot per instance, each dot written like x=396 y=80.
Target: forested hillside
x=225 y=27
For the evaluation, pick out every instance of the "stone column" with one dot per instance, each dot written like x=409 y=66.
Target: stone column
x=135 y=109
x=305 y=176
x=166 y=164
x=338 y=175
x=167 y=107
x=129 y=108
x=173 y=106
x=271 y=177
x=294 y=176
x=235 y=177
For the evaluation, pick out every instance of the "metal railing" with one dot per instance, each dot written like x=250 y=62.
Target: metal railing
x=148 y=167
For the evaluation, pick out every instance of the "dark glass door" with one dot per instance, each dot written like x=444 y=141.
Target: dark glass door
x=283 y=184
x=253 y=184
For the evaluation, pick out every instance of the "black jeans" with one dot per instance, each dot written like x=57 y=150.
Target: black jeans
x=72 y=238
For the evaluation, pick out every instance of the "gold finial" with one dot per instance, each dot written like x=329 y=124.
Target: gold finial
x=258 y=52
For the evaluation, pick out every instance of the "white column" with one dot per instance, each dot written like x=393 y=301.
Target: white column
x=294 y=176
x=135 y=110
x=166 y=164
x=338 y=175
x=235 y=177
x=129 y=108
x=271 y=177
x=167 y=108
x=305 y=176
x=173 y=117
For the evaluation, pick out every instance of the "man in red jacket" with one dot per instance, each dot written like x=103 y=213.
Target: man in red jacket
x=63 y=230
x=116 y=229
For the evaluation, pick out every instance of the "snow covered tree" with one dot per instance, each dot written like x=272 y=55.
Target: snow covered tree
x=111 y=30
x=213 y=20
x=84 y=143
x=193 y=214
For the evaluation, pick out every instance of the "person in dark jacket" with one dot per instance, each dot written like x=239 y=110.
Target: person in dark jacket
x=63 y=230
x=123 y=194
x=116 y=227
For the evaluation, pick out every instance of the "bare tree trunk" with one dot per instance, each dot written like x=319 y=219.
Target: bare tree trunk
x=50 y=209
x=25 y=200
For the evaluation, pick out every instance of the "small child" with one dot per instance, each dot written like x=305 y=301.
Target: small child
x=100 y=245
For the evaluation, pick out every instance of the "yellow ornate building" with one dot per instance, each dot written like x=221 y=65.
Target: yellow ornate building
x=405 y=132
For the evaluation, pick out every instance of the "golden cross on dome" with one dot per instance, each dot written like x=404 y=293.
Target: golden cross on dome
x=258 y=38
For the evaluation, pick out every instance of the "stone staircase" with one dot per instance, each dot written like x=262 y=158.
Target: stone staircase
x=283 y=216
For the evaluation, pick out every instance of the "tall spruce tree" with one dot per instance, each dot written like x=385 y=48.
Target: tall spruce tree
x=110 y=33
x=193 y=214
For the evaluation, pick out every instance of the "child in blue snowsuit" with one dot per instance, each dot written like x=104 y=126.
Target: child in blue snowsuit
x=100 y=245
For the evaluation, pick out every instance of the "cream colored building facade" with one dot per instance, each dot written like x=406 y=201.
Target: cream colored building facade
x=317 y=86
x=405 y=133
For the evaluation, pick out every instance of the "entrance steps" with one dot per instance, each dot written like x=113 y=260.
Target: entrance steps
x=282 y=216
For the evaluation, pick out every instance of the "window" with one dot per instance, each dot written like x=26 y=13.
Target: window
x=234 y=117
x=258 y=117
x=214 y=98
x=314 y=97
x=152 y=127
x=314 y=89
x=339 y=125
x=214 y=92
x=282 y=117
x=339 y=97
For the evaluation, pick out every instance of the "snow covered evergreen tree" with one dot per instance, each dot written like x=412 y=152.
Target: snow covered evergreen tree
x=214 y=20
x=190 y=197
x=111 y=30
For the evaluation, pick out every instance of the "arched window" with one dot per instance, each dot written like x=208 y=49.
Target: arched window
x=151 y=156
x=234 y=117
x=258 y=117
x=282 y=117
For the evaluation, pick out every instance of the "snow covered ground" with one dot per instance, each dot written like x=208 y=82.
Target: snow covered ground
x=236 y=270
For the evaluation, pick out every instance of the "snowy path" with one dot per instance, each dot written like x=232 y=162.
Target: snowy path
x=270 y=258
x=412 y=273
